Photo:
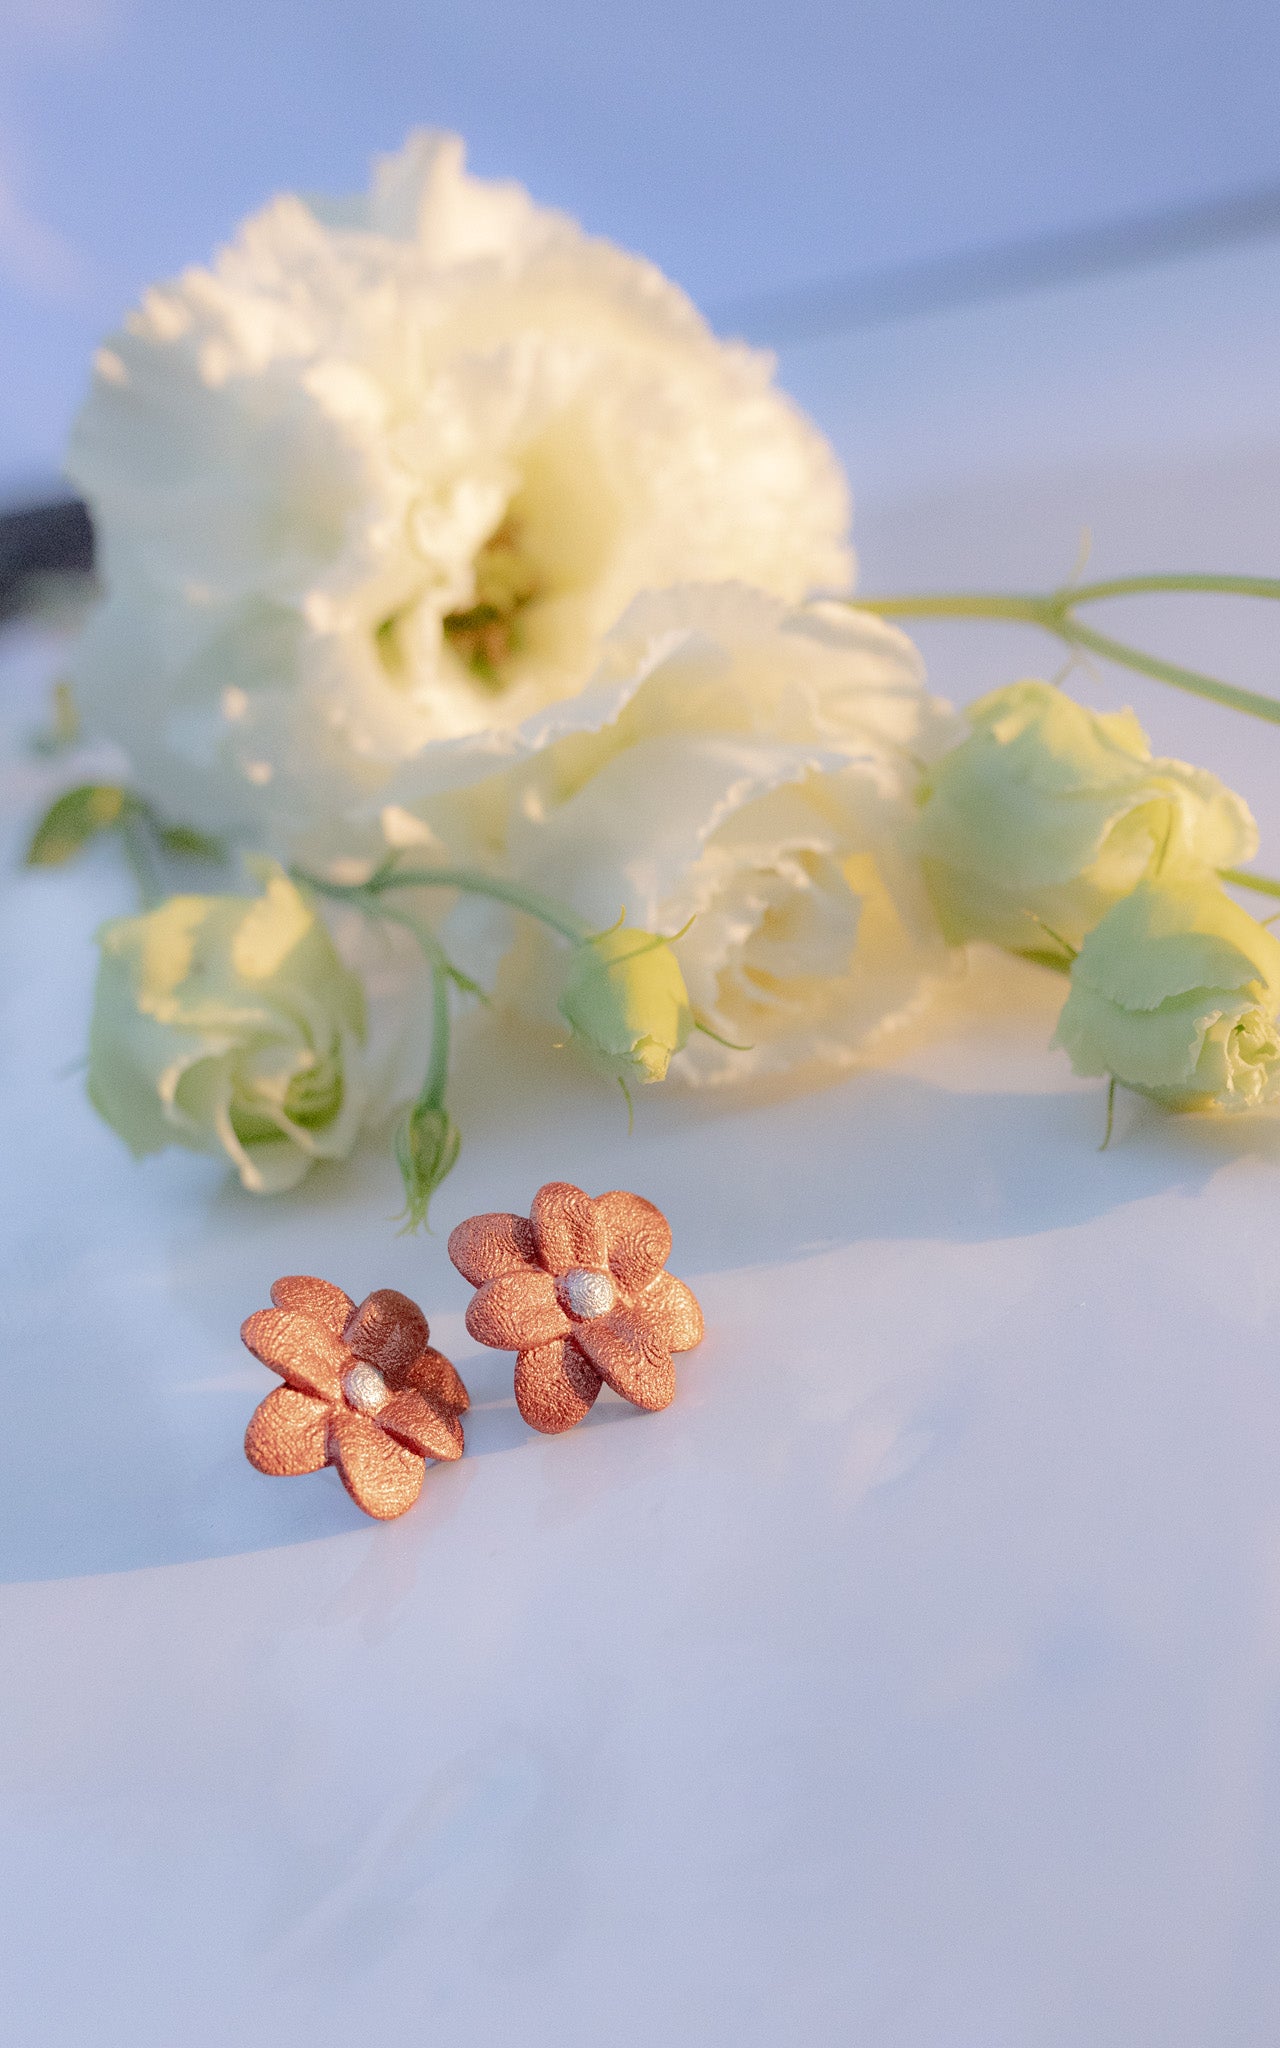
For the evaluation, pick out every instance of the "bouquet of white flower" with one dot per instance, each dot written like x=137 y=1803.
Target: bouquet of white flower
x=371 y=491
x=450 y=562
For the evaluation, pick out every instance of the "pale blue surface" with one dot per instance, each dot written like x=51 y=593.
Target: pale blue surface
x=913 y=1681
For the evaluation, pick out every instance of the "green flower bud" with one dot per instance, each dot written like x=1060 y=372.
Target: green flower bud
x=229 y=1025
x=625 y=999
x=1175 y=994
x=427 y=1147
x=1049 y=813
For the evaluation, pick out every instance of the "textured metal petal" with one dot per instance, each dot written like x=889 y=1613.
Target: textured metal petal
x=422 y=1427
x=555 y=1386
x=517 y=1311
x=485 y=1246
x=635 y=1363
x=389 y=1331
x=433 y=1376
x=319 y=1299
x=287 y=1433
x=302 y=1351
x=670 y=1311
x=568 y=1228
x=639 y=1238
x=381 y=1476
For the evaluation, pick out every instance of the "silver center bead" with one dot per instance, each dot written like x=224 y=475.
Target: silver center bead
x=365 y=1389
x=586 y=1295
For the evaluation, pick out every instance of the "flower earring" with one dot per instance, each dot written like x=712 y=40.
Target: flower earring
x=578 y=1291
x=364 y=1390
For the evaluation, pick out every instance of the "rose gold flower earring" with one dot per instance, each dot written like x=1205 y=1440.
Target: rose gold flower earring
x=578 y=1291
x=364 y=1390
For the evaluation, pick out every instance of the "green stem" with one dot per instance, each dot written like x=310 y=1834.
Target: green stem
x=367 y=896
x=1055 y=613
x=1189 y=679
x=433 y=1088
x=1142 y=586
x=432 y=1092
x=1263 y=885
x=139 y=851
x=1111 y=1113
x=427 y=1142
x=471 y=881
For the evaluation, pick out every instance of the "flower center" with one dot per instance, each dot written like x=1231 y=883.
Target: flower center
x=487 y=633
x=586 y=1295
x=312 y=1099
x=365 y=1389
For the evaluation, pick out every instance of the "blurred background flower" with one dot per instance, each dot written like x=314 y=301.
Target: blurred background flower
x=1047 y=813
x=229 y=1025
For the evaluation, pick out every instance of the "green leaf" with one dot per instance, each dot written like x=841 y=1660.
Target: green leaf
x=185 y=842
x=466 y=984
x=73 y=819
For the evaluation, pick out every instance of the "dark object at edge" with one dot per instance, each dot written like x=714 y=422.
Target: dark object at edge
x=40 y=542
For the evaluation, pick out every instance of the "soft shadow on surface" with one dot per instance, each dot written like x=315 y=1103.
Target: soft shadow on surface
x=147 y=1467
x=797 y=1165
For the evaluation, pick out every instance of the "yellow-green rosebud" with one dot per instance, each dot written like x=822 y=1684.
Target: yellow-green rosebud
x=229 y=1025
x=1175 y=993
x=1049 y=813
x=427 y=1147
x=626 y=1000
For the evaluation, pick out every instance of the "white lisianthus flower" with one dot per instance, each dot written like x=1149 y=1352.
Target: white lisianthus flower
x=751 y=767
x=380 y=479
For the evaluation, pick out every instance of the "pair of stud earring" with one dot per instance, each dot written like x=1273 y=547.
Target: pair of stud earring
x=579 y=1291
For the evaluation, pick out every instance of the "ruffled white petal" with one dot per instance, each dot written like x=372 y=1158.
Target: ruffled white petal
x=296 y=457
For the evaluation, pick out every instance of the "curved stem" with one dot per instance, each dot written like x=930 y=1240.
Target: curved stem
x=1262 y=885
x=427 y=1142
x=1189 y=679
x=431 y=1094
x=1055 y=613
x=1111 y=1114
x=471 y=881
x=1040 y=610
x=1141 y=586
x=139 y=851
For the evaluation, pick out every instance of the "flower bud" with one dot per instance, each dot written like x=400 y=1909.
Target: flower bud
x=427 y=1146
x=626 y=1000
x=1049 y=813
x=229 y=1024
x=1175 y=994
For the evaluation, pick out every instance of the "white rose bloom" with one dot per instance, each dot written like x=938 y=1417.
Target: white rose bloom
x=753 y=767
x=379 y=480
